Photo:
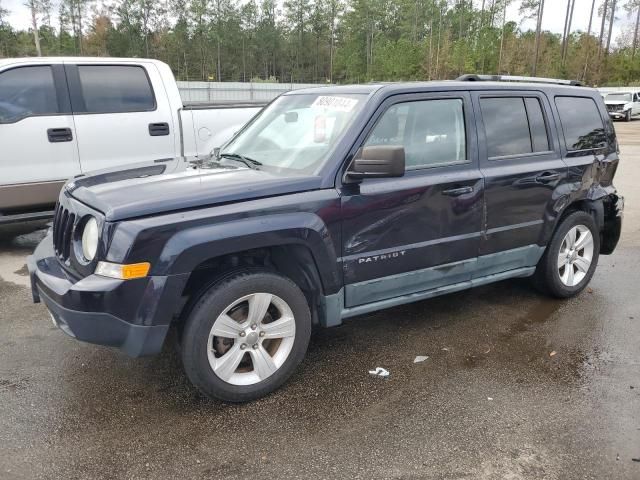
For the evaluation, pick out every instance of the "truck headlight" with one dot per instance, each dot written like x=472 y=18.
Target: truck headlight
x=90 y=237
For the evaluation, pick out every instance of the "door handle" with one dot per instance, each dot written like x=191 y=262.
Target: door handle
x=547 y=177
x=57 y=135
x=159 y=129
x=456 y=192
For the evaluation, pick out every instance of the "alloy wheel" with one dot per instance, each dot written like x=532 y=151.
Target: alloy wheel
x=251 y=339
x=575 y=256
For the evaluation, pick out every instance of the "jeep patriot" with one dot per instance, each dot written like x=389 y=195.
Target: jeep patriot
x=333 y=202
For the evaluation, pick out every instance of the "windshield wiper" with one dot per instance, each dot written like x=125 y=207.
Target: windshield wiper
x=249 y=162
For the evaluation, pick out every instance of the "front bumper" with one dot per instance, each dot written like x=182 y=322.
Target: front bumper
x=618 y=114
x=132 y=315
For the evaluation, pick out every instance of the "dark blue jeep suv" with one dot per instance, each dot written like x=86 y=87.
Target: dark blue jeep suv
x=331 y=203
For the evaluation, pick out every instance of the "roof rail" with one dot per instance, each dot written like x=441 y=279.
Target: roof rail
x=513 y=78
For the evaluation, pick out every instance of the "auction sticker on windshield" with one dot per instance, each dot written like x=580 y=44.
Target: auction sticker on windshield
x=340 y=104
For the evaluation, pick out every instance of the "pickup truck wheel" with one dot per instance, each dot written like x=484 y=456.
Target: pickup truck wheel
x=245 y=336
x=570 y=260
x=627 y=116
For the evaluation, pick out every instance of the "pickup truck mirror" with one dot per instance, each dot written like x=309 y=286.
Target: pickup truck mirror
x=379 y=161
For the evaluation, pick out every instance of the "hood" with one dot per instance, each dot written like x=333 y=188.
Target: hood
x=176 y=184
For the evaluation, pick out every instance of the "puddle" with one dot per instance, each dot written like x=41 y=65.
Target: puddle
x=15 y=245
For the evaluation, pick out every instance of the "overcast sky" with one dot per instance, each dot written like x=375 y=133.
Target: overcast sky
x=553 y=19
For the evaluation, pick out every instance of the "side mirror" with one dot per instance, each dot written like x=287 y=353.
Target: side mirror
x=381 y=161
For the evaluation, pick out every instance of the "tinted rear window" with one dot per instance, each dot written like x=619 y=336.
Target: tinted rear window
x=513 y=126
x=581 y=123
x=115 y=89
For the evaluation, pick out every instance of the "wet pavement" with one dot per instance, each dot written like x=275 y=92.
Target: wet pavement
x=516 y=386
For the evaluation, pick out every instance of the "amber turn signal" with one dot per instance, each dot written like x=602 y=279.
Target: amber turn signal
x=123 y=272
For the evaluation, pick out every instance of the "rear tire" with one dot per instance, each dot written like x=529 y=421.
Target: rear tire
x=571 y=258
x=245 y=336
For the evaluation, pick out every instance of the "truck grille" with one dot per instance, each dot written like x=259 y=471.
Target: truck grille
x=615 y=108
x=63 y=223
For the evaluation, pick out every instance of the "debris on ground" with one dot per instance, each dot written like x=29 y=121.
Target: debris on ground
x=490 y=398
x=379 y=372
x=635 y=459
x=553 y=353
x=445 y=349
x=420 y=358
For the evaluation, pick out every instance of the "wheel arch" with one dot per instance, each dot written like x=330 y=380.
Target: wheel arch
x=293 y=261
x=601 y=211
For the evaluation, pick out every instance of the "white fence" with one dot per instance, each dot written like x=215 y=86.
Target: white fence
x=605 y=90
x=193 y=92
x=224 y=92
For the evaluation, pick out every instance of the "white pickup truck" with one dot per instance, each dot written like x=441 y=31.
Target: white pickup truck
x=60 y=117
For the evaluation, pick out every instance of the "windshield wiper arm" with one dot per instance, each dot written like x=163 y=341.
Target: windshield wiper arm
x=249 y=162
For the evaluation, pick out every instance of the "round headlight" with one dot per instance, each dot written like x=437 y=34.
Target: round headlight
x=90 y=239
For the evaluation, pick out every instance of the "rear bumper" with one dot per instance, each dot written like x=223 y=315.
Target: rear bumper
x=130 y=315
x=614 y=211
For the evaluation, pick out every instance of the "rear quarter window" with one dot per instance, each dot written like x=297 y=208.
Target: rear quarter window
x=581 y=123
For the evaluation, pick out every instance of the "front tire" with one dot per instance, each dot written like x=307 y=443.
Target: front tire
x=245 y=336
x=627 y=116
x=571 y=257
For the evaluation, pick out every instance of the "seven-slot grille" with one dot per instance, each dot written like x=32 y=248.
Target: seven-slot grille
x=63 y=223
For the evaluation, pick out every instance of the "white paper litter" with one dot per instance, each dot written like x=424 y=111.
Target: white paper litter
x=379 y=372
x=420 y=358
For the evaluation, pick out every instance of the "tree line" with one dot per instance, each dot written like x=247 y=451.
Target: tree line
x=337 y=41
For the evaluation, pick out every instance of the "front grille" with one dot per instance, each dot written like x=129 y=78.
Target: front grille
x=63 y=223
x=615 y=108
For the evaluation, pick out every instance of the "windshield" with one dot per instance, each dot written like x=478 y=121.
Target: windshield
x=619 y=97
x=296 y=132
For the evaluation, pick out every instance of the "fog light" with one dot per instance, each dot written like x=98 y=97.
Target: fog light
x=123 y=272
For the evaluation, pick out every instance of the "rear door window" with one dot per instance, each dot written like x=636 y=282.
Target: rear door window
x=514 y=126
x=581 y=123
x=27 y=91
x=115 y=89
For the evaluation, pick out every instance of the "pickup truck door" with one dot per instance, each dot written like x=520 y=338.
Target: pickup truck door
x=636 y=104
x=122 y=114
x=524 y=175
x=37 y=135
x=422 y=231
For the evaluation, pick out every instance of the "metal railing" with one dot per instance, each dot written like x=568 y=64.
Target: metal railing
x=211 y=92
